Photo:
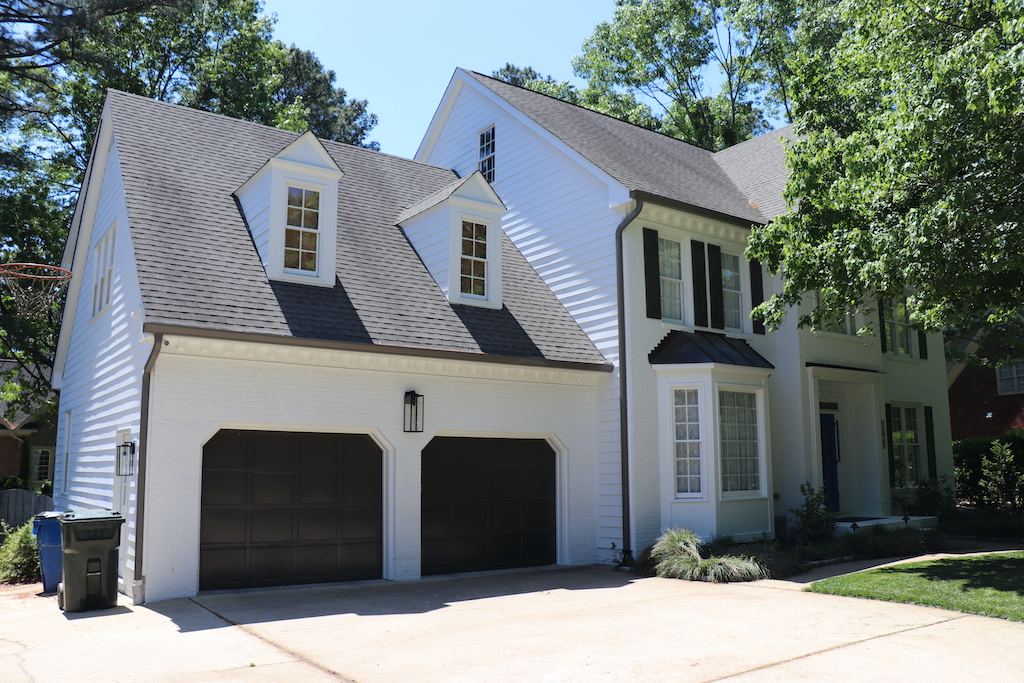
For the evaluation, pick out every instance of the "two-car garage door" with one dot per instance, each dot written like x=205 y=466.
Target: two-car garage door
x=287 y=507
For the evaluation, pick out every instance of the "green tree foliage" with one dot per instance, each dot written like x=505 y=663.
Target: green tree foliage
x=660 y=52
x=19 y=555
x=908 y=174
x=1001 y=480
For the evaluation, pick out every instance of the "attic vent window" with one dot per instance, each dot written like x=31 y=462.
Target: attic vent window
x=300 y=235
x=486 y=163
x=474 y=259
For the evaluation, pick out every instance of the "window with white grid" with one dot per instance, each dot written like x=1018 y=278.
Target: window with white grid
x=738 y=434
x=301 y=233
x=687 y=442
x=732 y=292
x=906 y=445
x=103 y=258
x=1011 y=378
x=670 y=266
x=898 y=327
x=486 y=158
x=473 y=277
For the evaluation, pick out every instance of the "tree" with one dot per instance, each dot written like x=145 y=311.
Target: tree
x=661 y=50
x=908 y=172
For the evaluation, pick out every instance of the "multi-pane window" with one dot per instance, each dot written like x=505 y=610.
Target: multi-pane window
x=740 y=452
x=687 y=442
x=473 y=278
x=1011 y=378
x=898 y=327
x=844 y=322
x=42 y=464
x=486 y=158
x=906 y=445
x=302 y=229
x=732 y=296
x=103 y=257
x=670 y=266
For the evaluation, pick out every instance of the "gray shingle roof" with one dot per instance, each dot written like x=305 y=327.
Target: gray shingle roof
x=198 y=266
x=758 y=167
x=640 y=159
x=26 y=414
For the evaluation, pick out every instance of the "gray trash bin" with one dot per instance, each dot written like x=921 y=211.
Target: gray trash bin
x=90 y=540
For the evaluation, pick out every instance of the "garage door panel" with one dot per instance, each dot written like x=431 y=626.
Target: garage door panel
x=225 y=487
x=272 y=488
x=286 y=507
x=481 y=499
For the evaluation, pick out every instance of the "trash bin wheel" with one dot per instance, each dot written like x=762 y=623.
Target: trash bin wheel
x=60 y=596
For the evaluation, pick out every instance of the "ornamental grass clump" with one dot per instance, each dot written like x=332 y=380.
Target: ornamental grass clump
x=677 y=555
x=19 y=555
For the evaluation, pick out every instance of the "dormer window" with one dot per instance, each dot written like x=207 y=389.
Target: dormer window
x=301 y=233
x=486 y=159
x=474 y=259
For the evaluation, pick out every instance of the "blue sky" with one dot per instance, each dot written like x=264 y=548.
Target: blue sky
x=400 y=54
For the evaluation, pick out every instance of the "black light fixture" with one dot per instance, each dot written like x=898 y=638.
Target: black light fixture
x=413 y=412
x=906 y=521
x=126 y=459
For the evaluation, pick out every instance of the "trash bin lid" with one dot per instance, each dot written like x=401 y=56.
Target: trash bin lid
x=49 y=514
x=89 y=516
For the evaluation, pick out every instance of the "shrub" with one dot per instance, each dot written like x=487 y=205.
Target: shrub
x=19 y=555
x=929 y=497
x=968 y=459
x=878 y=541
x=11 y=482
x=677 y=554
x=1001 y=478
x=815 y=522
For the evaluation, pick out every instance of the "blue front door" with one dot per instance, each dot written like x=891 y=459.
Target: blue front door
x=830 y=459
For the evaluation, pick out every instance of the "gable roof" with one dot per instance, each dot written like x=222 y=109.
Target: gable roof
x=198 y=268
x=758 y=167
x=26 y=414
x=641 y=160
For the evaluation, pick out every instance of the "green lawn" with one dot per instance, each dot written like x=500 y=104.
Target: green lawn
x=989 y=585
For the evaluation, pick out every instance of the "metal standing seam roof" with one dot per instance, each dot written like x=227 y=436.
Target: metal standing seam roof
x=198 y=266
x=680 y=347
x=640 y=159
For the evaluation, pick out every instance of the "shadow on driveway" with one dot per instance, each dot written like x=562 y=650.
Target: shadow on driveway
x=366 y=598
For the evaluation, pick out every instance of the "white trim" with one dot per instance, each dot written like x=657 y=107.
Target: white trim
x=491 y=219
x=762 y=441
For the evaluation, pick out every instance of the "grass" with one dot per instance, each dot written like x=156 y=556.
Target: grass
x=988 y=585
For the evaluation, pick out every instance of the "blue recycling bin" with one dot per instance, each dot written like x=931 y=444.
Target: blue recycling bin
x=46 y=529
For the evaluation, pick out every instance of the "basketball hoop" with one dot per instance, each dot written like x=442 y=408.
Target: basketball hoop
x=33 y=286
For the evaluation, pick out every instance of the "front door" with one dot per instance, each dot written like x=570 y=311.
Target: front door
x=830 y=459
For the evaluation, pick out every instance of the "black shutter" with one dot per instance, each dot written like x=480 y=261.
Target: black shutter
x=715 y=287
x=700 y=284
x=652 y=273
x=881 y=325
x=892 y=446
x=929 y=435
x=922 y=346
x=756 y=293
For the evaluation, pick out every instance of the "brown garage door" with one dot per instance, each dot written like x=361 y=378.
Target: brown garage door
x=487 y=504
x=284 y=507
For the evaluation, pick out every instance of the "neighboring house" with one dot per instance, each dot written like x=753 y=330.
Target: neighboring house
x=26 y=441
x=264 y=315
x=642 y=238
x=986 y=401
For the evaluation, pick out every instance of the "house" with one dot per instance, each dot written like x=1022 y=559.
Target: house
x=987 y=400
x=26 y=441
x=287 y=360
x=709 y=421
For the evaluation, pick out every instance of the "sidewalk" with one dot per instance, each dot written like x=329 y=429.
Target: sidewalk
x=562 y=624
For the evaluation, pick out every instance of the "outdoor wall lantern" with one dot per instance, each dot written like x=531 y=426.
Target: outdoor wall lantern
x=413 y=412
x=126 y=459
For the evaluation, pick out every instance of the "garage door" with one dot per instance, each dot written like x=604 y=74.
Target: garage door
x=283 y=507
x=487 y=504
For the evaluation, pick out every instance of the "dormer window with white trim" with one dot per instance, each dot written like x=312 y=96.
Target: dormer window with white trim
x=486 y=158
x=302 y=229
x=473 y=278
x=291 y=208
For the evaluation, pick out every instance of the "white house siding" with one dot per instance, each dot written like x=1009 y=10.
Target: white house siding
x=203 y=386
x=255 y=203
x=430 y=235
x=560 y=219
x=102 y=377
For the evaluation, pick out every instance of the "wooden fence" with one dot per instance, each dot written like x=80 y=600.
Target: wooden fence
x=17 y=506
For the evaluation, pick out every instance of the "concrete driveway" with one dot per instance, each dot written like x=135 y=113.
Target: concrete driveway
x=565 y=624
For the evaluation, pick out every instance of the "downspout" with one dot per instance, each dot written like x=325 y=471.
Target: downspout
x=138 y=590
x=620 y=293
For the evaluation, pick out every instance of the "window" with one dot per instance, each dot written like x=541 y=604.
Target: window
x=906 y=445
x=42 y=465
x=839 y=323
x=103 y=258
x=1011 y=378
x=486 y=158
x=473 y=278
x=301 y=231
x=732 y=294
x=687 y=442
x=739 y=441
x=66 y=451
x=670 y=266
x=898 y=327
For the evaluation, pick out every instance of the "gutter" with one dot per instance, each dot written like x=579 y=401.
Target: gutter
x=138 y=587
x=620 y=294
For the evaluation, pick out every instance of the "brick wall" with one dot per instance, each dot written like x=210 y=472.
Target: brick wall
x=10 y=456
x=974 y=396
